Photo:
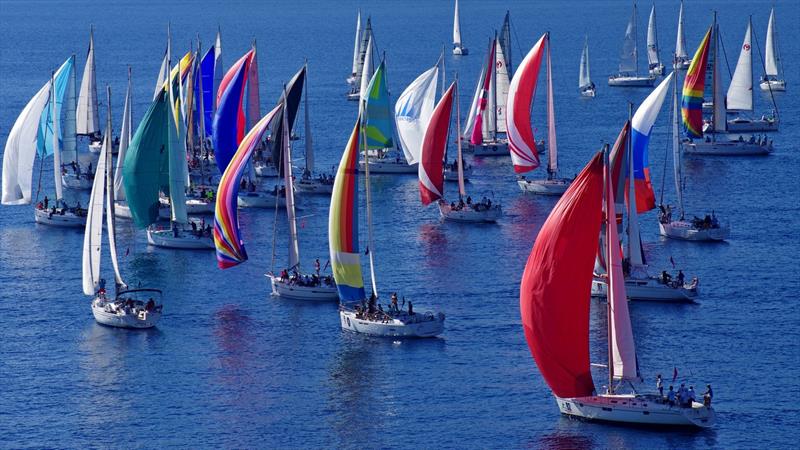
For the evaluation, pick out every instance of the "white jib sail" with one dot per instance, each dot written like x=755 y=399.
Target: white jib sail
x=583 y=76
x=680 y=40
x=501 y=82
x=473 y=107
x=110 y=199
x=357 y=45
x=124 y=142
x=770 y=53
x=366 y=72
x=552 y=147
x=88 y=121
x=93 y=234
x=740 y=92
x=413 y=111
x=652 y=39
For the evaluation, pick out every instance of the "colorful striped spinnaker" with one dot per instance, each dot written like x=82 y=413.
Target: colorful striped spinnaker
x=642 y=124
x=228 y=127
x=343 y=224
x=227 y=236
x=521 y=143
x=693 y=86
x=379 y=119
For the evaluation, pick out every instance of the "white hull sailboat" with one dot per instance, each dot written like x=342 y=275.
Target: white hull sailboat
x=395 y=325
x=458 y=47
x=650 y=289
x=585 y=85
x=178 y=239
x=261 y=199
x=553 y=298
x=323 y=292
x=773 y=78
x=682 y=60
x=654 y=65
x=478 y=213
x=82 y=182
x=362 y=60
x=718 y=147
x=688 y=231
x=628 y=75
x=554 y=187
x=265 y=170
x=128 y=308
x=60 y=217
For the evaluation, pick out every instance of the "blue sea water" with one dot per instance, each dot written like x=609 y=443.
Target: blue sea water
x=230 y=366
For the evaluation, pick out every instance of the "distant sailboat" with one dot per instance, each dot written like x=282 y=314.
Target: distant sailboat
x=121 y=205
x=458 y=47
x=88 y=123
x=773 y=78
x=682 y=60
x=522 y=91
x=555 y=308
x=309 y=182
x=362 y=59
x=585 y=85
x=127 y=308
x=629 y=59
x=654 y=64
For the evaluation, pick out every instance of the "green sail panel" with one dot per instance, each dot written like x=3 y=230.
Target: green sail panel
x=379 y=118
x=146 y=168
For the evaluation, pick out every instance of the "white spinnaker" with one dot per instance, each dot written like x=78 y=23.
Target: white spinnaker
x=124 y=141
x=740 y=92
x=93 y=233
x=473 y=107
x=20 y=150
x=88 y=121
x=413 y=111
x=501 y=83
x=652 y=38
x=680 y=40
x=456 y=28
x=770 y=53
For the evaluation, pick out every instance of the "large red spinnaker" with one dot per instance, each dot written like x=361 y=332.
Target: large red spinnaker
x=434 y=143
x=556 y=285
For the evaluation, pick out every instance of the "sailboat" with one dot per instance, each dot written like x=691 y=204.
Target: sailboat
x=682 y=60
x=716 y=141
x=356 y=312
x=654 y=64
x=681 y=228
x=626 y=161
x=431 y=168
x=458 y=47
x=120 y=203
x=88 y=122
x=773 y=69
x=38 y=130
x=741 y=97
x=292 y=283
x=523 y=155
x=555 y=307
x=127 y=308
x=629 y=59
x=362 y=59
x=309 y=182
x=585 y=85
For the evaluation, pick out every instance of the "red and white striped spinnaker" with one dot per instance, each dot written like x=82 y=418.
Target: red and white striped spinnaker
x=483 y=98
x=434 y=143
x=521 y=142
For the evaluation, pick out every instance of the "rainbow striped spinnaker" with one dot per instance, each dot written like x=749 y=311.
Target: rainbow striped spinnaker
x=693 y=86
x=228 y=127
x=227 y=236
x=343 y=224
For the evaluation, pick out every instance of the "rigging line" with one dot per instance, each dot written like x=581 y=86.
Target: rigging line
x=724 y=53
x=764 y=66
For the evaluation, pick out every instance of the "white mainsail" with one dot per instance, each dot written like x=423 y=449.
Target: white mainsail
x=629 y=58
x=740 y=92
x=20 y=150
x=584 y=79
x=109 y=186
x=124 y=141
x=501 y=83
x=680 y=40
x=366 y=73
x=357 y=46
x=505 y=42
x=552 y=148
x=652 y=39
x=772 y=60
x=93 y=234
x=56 y=121
x=294 y=247
x=163 y=73
x=87 y=118
x=473 y=108
x=413 y=111
x=218 y=73
x=456 y=28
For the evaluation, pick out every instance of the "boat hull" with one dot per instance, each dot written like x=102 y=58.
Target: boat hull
x=495 y=148
x=266 y=170
x=556 y=186
x=470 y=215
x=185 y=240
x=452 y=174
x=684 y=230
x=260 y=200
x=773 y=85
x=739 y=125
x=631 y=81
x=314 y=186
x=727 y=148
x=73 y=181
x=320 y=293
x=427 y=325
x=122 y=210
x=648 y=290
x=460 y=51
x=388 y=167
x=105 y=315
x=588 y=93
x=633 y=409
x=67 y=220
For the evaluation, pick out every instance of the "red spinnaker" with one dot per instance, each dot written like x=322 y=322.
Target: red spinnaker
x=434 y=143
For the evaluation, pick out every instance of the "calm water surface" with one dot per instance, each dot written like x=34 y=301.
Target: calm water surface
x=230 y=366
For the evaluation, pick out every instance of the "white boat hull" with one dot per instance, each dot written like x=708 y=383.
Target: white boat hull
x=648 y=290
x=313 y=186
x=68 y=220
x=588 y=92
x=744 y=125
x=106 y=314
x=388 y=167
x=727 y=148
x=425 y=325
x=773 y=85
x=122 y=210
x=555 y=186
x=321 y=293
x=460 y=51
x=260 y=200
x=681 y=64
x=194 y=207
x=185 y=240
x=631 y=81
x=635 y=409
x=73 y=181
x=684 y=230
x=468 y=214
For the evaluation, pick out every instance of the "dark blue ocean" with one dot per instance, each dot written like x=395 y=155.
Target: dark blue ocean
x=230 y=366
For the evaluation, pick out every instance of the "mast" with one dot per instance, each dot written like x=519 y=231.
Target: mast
x=124 y=140
x=635 y=40
x=307 y=130
x=294 y=247
x=461 y=189
x=676 y=149
x=366 y=68
x=201 y=107
x=552 y=157
x=176 y=149
x=606 y=224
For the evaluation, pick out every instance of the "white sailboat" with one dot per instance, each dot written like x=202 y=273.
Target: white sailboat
x=292 y=283
x=120 y=203
x=88 y=123
x=740 y=96
x=710 y=229
x=309 y=182
x=717 y=140
x=362 y=60
x=773 y=70
x=458 y=47
x=629 y=60
x=127 y=308
x=554 y=298
x=654 y=64
x=682 y=60
x=553 y=184
x=585 y=85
